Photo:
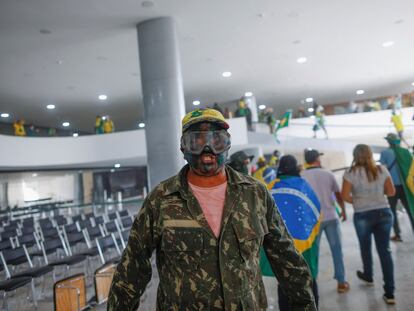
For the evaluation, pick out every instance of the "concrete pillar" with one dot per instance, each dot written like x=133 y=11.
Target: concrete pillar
x=163 y=97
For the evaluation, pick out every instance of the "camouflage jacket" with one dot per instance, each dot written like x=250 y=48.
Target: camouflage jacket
x=198 y=271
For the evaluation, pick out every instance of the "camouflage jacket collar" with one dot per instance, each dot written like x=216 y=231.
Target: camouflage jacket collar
x=179 y=182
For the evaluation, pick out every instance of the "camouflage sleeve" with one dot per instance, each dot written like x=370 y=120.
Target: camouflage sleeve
x=133 y=273
x=287 y=264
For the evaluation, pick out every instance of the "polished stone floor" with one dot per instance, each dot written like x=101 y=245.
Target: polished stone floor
x=359 y=298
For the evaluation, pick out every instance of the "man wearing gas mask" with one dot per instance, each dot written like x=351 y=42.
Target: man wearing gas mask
x=206 y=225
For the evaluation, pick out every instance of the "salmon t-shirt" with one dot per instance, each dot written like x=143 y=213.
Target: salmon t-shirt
x=211 y=201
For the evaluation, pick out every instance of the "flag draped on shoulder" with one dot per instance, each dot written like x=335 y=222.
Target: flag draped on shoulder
x=406 y=165
x=300 y=210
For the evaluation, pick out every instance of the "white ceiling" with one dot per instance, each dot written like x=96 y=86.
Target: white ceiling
x=257 y=40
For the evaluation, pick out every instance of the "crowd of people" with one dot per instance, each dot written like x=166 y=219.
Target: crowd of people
x=216 y=230
x=104 y=125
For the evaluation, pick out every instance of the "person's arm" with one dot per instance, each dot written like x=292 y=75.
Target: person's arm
x=133 y=273
x=346 y=191
x=338 y=196
x=287 y=264
x=341 y=203
x=389 y=189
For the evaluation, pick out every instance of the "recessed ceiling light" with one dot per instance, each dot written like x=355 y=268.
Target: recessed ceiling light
x=112 y=170
x=75 y=135
x=248 y=94
x=117 y=165
x=360 y=92
x=65 y=124
x=261 y=107
x=141 y=125
x=196 y=102
x=34 y=175
x=412 y=83
x=4 y=115
x=102 y=97
x=103 y=118
x=147 y=4
x=45 y=31
x=50 y=106
x=226 y=74
x=302 y=60
x=309 y=99
x=387 y=44
x=310 y=109
x=312 y=117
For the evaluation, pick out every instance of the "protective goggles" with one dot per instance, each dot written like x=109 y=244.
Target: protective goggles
x=194 y=142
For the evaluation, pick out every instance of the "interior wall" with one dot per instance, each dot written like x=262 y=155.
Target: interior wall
x=58 y=188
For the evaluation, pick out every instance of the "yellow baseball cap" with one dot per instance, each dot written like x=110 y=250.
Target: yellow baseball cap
x=203 y=115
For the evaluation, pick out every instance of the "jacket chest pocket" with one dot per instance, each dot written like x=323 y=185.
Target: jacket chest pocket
x=183 y=244
x=249 y=238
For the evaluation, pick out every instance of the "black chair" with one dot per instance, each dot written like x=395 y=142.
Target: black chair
x=76 y=218
x=18 y=256
x=99 y=220
x=82 y=224
x=50 y=233
x=70 y=228
x=28 y=240
x=123 y=213
x=112 y=216
x=126 y=222
x=60 y=220
x=95 y=232
x=74 y=239
x=52 y=246
x=28 y=222
x=8 y=234
x=7 y=286
x=6 y=244
x=45 y=224
x=89 y=215
x=108 y=243
x=27 y=229
x=111 y=227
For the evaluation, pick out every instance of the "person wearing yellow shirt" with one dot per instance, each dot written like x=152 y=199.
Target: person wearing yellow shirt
x=19 y=128
x=108 y=126
x=396 y=119
x=262 y=166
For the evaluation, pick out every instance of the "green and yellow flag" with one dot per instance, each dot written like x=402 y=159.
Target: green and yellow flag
x=406 y=165
x=284 y=122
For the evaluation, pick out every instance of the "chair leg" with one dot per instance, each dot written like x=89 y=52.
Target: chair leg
x=33 y=293
x=5 y=304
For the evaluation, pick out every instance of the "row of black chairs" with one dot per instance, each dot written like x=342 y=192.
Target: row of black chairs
x=69 y=244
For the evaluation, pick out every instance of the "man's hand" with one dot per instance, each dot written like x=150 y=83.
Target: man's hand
x=343 y=215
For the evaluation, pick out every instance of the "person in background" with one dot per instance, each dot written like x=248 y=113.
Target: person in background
x=19 y=128
x=261 y=166
x=274 y=160
x=207 y=224
x=108 y=125
x=217 y=107
x=396 y=119
x=227 y=113
x=319 y=120
x=364 y=186
x=324 y=184
x=389 y=160
x=244 y=111
x=31 y=131
x=270 y=120
x=99 y=128
x=240 y=162
x=51 y=131
x=300 y=209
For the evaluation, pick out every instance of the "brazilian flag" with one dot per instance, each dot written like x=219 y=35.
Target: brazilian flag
x=406 y=165
x=284 y=122
x=300 y=209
